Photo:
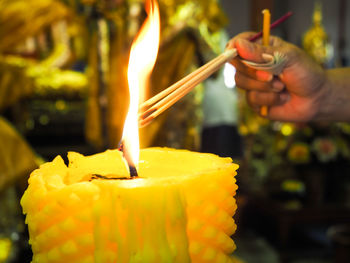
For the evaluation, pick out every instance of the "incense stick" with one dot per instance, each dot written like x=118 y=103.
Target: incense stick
x=171 y=95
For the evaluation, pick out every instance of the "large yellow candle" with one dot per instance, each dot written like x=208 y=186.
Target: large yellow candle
x=179 y=209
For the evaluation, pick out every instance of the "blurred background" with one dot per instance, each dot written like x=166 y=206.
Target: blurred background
x=63 y=88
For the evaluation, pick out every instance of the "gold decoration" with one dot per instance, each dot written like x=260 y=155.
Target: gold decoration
x=20 y=19
x=29 y=65
x=315 y=41
x=5 y=248
x=13 y=85
x=21 y=78
x=17 y=159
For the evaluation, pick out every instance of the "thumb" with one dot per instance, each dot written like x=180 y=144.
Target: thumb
x=250 y=51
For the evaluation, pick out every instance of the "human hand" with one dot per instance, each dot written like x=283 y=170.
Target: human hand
x=295 y=95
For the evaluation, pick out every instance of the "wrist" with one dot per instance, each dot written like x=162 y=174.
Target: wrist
x=324 y=104
x=334 y=98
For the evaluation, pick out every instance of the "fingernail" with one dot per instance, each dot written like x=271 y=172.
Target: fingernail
x=277 y=86
x=264 y=75
x=267 y=57
x=284 y=97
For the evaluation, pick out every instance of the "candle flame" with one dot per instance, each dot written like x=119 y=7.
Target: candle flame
x=143 y=54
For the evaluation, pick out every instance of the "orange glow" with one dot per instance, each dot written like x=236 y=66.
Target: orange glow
x=143 y=54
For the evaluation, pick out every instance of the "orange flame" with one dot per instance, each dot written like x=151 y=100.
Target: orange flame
x=143 y=54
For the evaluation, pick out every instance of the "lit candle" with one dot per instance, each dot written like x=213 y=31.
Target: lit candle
x=179 y=207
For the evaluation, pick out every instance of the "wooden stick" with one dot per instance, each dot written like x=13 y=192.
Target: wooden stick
x=175 y=92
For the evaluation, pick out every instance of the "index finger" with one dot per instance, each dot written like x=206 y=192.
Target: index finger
x=244 y=35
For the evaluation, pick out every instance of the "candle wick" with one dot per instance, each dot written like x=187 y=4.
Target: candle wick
x=132 y=168
x=133 y=171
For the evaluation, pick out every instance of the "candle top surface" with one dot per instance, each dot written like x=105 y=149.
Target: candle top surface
x=160 y=162
x=156 y=165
